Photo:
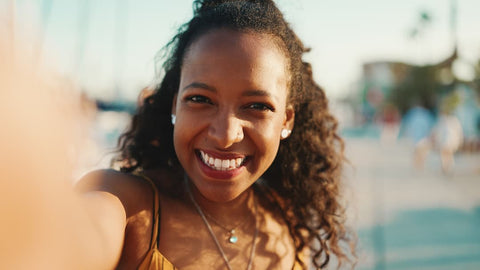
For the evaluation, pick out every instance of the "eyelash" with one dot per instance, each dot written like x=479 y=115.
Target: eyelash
x=254 y=106
x=260 y=107
x=198 y=99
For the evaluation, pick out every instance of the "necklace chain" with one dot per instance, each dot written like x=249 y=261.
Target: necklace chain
x=223 y=226
x=232 y=238
x=220 y=249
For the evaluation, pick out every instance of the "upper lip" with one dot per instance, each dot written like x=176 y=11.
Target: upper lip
x=223 y=155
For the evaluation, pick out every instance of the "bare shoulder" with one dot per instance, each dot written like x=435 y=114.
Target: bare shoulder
x=134 y=192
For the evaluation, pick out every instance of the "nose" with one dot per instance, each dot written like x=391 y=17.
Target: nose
x=225 y=129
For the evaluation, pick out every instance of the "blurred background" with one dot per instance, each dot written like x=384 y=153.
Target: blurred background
x=403 y=78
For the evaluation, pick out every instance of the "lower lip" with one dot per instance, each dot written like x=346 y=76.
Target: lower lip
x=219 y=174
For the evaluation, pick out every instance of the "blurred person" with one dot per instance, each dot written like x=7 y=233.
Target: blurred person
x=390 y=121
x=417 y=125
x=233 y=162
x=447 y=138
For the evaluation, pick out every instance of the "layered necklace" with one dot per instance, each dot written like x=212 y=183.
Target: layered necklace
x=232 y=238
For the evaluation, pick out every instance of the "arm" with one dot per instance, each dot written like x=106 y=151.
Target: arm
x=49 y=226
x=108 y=221
x=44 y=223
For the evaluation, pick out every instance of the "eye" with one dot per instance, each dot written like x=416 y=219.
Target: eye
x=198 y=99
x=260 y=107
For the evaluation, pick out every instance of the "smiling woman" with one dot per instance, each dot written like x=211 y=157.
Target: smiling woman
x=234 y=161
x=220 y=113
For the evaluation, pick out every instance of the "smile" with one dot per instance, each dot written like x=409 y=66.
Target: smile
x=221 y=164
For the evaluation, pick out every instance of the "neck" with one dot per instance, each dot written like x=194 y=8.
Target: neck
x=229 y=212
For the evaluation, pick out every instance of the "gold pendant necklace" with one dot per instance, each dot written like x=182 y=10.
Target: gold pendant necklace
x=209 y=228
x=232 y=238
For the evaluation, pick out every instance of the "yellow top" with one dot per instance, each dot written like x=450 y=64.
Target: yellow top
x=154 y=260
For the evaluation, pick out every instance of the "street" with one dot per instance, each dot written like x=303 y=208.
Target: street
x=411 y=219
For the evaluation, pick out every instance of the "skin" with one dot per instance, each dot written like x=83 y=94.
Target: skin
x=232 y=102
x=45 y=224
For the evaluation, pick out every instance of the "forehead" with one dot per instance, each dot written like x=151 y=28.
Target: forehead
x=248 y=45
x=225 y=36
x=248 y=55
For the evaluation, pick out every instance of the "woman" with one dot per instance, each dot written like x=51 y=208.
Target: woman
x=234 y=161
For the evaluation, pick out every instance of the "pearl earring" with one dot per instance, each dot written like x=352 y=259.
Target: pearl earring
x=285 y=133
x=174 y=118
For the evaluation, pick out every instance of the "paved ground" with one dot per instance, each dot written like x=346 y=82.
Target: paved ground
x=409 y=219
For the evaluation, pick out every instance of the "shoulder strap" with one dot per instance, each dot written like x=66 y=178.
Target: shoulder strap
x=155 y=211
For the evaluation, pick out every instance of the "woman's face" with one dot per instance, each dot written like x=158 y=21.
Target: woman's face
x=230 y=110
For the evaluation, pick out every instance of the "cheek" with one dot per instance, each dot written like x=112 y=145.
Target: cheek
x=188 y=128
x=266 y=136
x=182 y=135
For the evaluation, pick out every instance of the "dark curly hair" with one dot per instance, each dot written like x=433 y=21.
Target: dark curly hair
x=305 y=174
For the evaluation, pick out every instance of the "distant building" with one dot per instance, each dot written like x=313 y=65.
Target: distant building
x=389 y=83
x=378 y=81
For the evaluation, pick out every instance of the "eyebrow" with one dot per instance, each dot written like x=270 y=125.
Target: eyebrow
x=200 y=85
x=248 y=93
x=261 y=93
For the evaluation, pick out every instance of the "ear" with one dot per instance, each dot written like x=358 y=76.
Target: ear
x=289 y=118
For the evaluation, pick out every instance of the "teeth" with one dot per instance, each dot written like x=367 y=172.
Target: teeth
x=221 y=164
x=225 y=163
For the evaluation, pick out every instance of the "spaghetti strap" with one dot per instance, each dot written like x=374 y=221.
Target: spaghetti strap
x=155 y=211
x=154 y=260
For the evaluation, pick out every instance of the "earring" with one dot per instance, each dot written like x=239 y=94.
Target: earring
x=285 y=133
x=174 y=118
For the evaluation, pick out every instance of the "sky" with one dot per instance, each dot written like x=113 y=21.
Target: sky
x=105 y=45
